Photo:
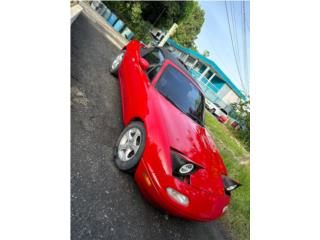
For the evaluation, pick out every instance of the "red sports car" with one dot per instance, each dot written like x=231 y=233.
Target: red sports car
x=165 y=143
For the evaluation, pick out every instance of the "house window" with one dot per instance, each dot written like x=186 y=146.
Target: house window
x=209 y=74
x=198 y=66
x=190 y=61
x=203 y=68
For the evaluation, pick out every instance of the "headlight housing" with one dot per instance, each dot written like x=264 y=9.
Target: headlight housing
x=229 y=184
x=181 y=167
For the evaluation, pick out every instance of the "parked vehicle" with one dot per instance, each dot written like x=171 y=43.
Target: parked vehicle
x=165 y=143
x=157 y=36
x=223 y=116
x=216 y=110
x=235 y=124
x=212 y=107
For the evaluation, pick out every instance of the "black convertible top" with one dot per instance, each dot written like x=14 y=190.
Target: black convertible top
x=167 y=54
x=174 y=58
x=177 y=61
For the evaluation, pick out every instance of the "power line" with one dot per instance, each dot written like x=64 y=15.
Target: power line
x=246 y=22
x=233 y=47
x=235 y=34
x=218 y=56
x=244 y=43
x=234 y=21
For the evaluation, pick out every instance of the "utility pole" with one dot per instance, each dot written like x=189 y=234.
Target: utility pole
x=169 y=34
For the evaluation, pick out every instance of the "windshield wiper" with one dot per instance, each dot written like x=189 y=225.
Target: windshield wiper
x=194 y=118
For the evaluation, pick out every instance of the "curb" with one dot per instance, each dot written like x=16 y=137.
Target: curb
x=116 y=38
x=75 y=12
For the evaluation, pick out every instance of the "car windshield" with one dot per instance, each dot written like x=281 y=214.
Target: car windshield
x=182 y=93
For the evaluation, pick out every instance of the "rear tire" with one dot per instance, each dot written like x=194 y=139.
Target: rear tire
x=130 y=146
x=114 y=68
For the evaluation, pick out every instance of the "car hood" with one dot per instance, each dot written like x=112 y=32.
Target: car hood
x=195 y=143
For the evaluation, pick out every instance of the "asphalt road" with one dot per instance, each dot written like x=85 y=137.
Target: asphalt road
x=106 y=203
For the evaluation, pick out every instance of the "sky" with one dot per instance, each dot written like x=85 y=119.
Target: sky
x=215 y=37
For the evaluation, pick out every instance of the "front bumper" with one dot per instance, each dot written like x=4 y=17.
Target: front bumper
x=203 y=206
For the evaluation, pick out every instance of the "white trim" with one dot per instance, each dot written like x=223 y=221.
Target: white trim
x=194 y=63
x=212 y=76
x=204 y=73
x=185 y=58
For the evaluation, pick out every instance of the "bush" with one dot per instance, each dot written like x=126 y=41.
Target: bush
x=241 y=112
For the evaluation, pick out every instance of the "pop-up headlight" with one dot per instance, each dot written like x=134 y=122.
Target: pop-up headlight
x=230 y=184
x=180 y=166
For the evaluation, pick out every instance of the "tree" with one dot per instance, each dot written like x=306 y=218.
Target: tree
x=141 y=17
x=206 y=53
x=194 y=47
x=190 y=27
x=163 y=14
x=131 y=13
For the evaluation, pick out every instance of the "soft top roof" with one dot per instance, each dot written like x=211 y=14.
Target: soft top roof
x=176 y=60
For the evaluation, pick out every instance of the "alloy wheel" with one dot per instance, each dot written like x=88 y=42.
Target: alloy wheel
x=129 y=144
x=117 y=61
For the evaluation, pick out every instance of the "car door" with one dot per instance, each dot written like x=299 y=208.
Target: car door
x=136 y=81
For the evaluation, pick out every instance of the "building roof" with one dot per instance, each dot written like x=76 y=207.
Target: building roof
x=210 y=63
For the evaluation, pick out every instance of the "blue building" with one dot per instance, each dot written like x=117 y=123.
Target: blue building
x=217 y=87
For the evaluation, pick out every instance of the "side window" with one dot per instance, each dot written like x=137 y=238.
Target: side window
x=152 y=72
x=144 y=51
x=154 y=57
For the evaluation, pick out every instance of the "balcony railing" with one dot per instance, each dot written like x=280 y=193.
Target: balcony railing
x=210 y=90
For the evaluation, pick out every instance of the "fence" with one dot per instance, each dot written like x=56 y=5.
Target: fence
x=112 y=19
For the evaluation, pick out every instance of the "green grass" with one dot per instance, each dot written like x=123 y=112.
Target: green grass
x=237 y=134
x=237 y=218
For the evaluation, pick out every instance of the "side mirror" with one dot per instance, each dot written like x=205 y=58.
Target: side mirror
x=144 y=64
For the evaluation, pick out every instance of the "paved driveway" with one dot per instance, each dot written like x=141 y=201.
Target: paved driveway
x=106 y=203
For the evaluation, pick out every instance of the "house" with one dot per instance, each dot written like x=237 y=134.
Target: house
x=217 y=87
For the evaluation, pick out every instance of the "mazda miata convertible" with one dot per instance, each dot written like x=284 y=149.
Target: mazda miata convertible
x=165 y=143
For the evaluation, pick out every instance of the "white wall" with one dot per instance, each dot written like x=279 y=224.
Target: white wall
x=227 y=95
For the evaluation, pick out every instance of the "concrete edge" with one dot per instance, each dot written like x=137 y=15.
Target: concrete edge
x=113 y=36
x=75 y=12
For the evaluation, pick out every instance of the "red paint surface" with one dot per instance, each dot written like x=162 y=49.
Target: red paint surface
x=167 y=128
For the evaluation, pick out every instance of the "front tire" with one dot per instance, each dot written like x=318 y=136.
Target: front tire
x=130 y=146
